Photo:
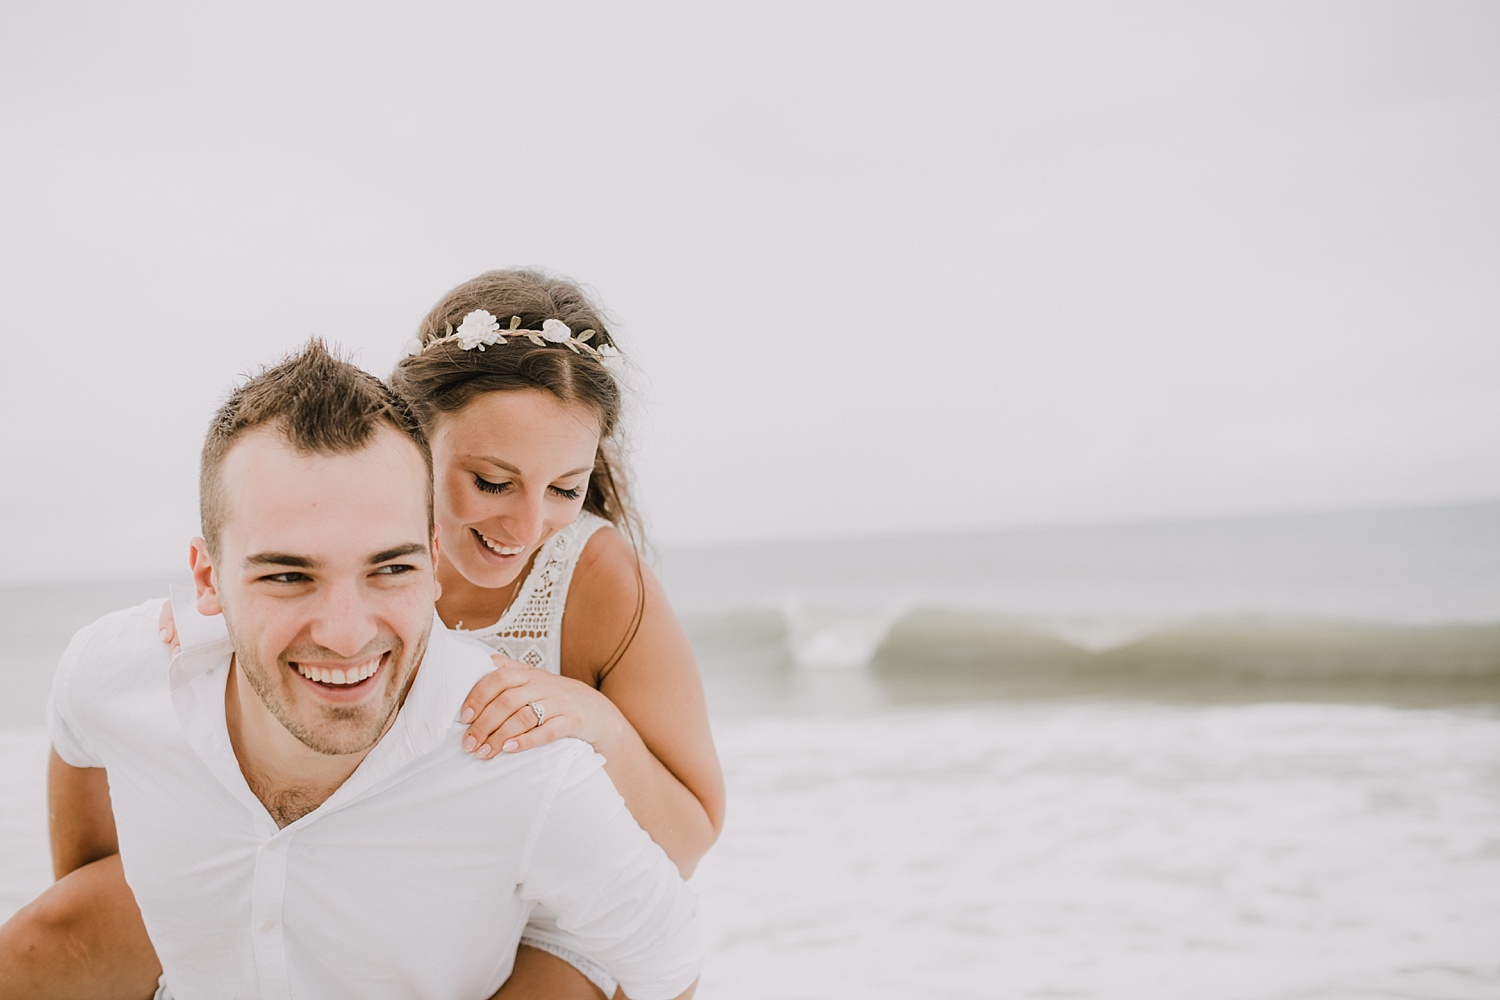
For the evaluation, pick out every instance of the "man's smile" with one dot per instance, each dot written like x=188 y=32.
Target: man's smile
x=345 y=681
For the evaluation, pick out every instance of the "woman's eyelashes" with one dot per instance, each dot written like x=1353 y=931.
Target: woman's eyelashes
x=489 y=487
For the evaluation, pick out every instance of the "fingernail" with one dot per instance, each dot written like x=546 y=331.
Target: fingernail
x=485 y=751
x=466 y=716
x=176 y=649
x=469 y=744
x=162 y=635
x=510 y=746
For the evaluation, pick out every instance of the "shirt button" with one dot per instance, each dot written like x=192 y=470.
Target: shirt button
x=268 y=925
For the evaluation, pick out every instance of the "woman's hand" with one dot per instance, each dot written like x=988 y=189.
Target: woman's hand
x=168 y=625
x=501 y=719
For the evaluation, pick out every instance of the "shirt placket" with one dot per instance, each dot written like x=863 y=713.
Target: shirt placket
x=267 y=916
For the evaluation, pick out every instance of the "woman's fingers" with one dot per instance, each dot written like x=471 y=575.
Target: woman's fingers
x=500 y=718
x=507 y=674
x=494 y=716
x=550 y=730
x=484 y=691
x=167 y=626
x=521 y=732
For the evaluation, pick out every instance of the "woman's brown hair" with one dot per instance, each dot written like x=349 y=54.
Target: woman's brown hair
x=443 y=378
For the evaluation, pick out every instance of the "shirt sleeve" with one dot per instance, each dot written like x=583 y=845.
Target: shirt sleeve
x=70 y=739
x=611 y=886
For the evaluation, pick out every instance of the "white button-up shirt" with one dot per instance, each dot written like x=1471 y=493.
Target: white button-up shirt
x=414 y=879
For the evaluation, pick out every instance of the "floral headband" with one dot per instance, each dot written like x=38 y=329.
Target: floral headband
x=480 y=329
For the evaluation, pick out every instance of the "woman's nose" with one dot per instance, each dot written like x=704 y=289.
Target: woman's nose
x=526 y=519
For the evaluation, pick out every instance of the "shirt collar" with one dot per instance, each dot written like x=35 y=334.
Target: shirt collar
x=437 y=692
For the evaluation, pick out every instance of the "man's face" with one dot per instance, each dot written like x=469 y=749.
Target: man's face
x=325 y=576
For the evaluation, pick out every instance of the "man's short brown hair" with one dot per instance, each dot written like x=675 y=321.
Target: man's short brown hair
x=320 y=404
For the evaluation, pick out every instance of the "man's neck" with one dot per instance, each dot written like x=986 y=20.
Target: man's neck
x=289 y=778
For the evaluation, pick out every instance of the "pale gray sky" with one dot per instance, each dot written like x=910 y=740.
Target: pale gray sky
x=883 y=267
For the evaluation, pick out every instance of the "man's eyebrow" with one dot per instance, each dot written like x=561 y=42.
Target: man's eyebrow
x=516 y=472
x=279 y=559
x=303 y=562
x=409 y=549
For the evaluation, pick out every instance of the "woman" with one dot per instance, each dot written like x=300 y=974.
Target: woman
x=510 y=376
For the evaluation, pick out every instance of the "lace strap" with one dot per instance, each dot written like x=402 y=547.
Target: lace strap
x=531 y=628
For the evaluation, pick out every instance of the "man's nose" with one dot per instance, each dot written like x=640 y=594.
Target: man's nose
x=344 y=624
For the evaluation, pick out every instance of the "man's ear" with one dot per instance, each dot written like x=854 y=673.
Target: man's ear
x=204 y=580
x=437 y=586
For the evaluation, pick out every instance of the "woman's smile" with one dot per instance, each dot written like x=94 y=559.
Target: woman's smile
x=495 y=549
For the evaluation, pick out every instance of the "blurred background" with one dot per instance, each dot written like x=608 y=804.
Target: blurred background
x=1071 y=432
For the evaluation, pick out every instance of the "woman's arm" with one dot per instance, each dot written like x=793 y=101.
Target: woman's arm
x=645 y=714
x=660 y=753
x=80 y=818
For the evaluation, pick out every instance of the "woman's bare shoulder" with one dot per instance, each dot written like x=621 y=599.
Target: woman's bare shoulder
x=608 y=574
x=614 y=593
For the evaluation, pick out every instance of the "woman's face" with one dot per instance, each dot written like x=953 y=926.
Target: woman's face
x=511 y=470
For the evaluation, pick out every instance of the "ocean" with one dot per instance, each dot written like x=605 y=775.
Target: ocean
x=1252 y=757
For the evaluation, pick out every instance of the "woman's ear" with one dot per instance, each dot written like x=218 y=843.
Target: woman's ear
x=203 y=579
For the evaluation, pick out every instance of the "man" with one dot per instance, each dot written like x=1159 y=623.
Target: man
x=292 y=806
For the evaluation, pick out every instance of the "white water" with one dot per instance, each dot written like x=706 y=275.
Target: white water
x=1316 y=852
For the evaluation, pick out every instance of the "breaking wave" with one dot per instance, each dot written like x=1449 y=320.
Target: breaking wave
x=927 y=641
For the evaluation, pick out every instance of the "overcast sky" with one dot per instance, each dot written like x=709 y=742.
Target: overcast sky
x=882 y=267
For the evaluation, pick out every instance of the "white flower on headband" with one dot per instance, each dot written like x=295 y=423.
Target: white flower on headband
x=608 y=351
x=413 y=346
x=555 y=331
x=478 y=329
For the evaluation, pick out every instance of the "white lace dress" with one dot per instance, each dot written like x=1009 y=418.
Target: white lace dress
x=531 y=631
